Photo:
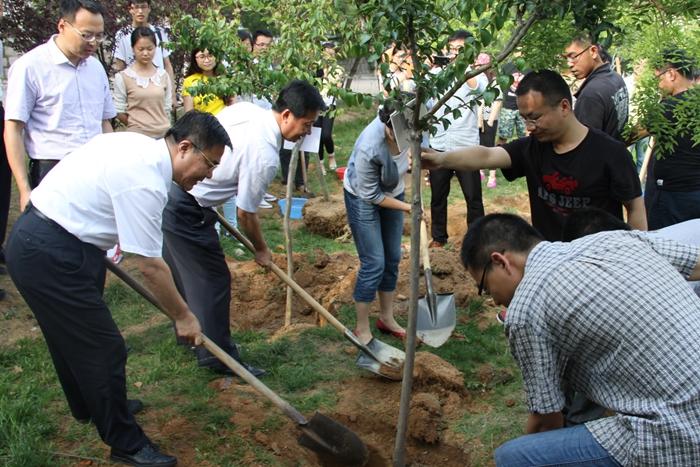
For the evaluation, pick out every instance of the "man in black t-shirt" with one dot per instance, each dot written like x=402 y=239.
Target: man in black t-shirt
x=673 y=193
x=602 y=101
x=567 y=165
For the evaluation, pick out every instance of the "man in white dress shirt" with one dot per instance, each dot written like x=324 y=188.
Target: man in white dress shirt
x=113 y=188
x=58 y=96
x=462 y=132
x=191 y=244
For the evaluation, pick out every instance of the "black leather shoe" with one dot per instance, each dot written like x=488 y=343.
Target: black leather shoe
x=147 y=456
x=222 y=369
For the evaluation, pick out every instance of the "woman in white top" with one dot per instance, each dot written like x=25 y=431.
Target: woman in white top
x=142 y=92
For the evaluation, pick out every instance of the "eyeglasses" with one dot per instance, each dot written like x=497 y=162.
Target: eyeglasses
x=573 y=58
x=201 y=56
x=212 y=165
x=141 y=6
x=88 y=36
x=532 y=121
x=483 y=278
x=660 y=74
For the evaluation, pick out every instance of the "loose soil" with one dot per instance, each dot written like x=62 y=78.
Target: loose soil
x=367 y=405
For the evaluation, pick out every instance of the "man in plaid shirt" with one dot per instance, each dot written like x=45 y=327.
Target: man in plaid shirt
x=578 y=313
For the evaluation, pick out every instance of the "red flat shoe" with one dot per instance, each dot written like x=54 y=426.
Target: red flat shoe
x=385 y=330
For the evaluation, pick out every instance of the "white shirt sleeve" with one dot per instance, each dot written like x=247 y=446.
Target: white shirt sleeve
x=255 y=176
x=138 y=212
x=21 y=92
x=119 y=93
x=120 y=51
x=163 y=46
x=108 y=110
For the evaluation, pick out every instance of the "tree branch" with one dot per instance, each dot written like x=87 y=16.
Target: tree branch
x=515 y=39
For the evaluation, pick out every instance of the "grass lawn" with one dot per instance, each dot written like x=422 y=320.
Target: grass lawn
x=36 y=428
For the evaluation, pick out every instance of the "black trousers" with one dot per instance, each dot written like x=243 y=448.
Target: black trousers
x=440 y=180
x=5 y=185
x=62 y=280
x=487 y=136
x=192 y=250
x=38 y=168
x=285 y=160
x=326 y=124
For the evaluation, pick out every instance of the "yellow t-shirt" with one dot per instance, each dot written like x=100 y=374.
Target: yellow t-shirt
x=213 y=105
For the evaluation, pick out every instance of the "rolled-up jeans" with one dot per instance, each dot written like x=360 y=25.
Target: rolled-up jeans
x=377 y=235
x=565 y=446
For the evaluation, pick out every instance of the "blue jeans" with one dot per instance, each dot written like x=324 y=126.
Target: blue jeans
x=377 y=235
x=565 y=446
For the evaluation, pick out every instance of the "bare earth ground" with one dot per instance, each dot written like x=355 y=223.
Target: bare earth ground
x=367 y=405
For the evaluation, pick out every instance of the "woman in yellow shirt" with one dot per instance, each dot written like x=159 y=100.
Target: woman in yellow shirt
x=202 y=67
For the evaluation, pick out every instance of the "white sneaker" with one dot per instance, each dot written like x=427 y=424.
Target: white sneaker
x=265 y=205
x=270 y=198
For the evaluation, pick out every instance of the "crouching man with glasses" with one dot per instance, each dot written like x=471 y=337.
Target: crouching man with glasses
x=579 y=318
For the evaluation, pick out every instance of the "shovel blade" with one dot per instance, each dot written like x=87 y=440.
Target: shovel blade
x=434 y=326
x=333 y=441
x=389 y=361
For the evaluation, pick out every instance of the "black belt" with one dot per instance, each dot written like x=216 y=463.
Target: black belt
x=42 y=216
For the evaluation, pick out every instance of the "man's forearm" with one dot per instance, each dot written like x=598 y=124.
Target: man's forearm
x=16 y=154
x=107 y=126
x=537 y=423
x=159 y=281
x=250 y=224
x=636 y=214
x=475 y=158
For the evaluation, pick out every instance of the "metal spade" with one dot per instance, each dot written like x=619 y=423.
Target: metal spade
x=377 y=357
x=437 y=316
x=321 y=434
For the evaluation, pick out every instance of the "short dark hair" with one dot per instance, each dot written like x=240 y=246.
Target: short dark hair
x=202 y=128
x=547 y=82
x=143 y=31
x=385 y=110
x=460 y=34
x=69 y=8
x=243 y=35
x=134 y=2
x=679 y=60
x=300 y=98
x=261 y=32
x=496 y=232
x=583 y=38
x=588 y=221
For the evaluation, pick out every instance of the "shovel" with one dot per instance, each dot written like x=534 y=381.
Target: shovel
x=437 y=316
x=376 y=356
x=321 y=434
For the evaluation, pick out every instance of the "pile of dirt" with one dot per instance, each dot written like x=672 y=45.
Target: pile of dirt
x=326 y=218
x=259 y=297
x=369 y=407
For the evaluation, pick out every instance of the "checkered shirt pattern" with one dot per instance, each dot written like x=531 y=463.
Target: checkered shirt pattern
x=611 y=315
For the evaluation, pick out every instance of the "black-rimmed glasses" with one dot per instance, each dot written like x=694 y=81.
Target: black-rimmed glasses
x=483 y=278
x=574 y=58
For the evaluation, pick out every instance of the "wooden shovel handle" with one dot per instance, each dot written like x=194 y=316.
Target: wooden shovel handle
x=286 y=279
x=425 y=253
x=225 y=358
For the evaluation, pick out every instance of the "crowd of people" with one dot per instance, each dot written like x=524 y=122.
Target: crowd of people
x=154 y=189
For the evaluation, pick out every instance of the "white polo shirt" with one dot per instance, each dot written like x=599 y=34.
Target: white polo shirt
x=463 y=130
x=125 y=52
x=246 y=171
x=113 y=188
x=61 y=105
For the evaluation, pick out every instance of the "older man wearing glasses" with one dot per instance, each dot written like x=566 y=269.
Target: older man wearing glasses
x=58 y=96
x=602 y=101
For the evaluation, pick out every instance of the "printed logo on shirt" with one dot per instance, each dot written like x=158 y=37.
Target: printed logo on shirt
x=621 y=101
x=556 y=190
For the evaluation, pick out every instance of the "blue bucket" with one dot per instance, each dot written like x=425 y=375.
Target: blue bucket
x=297 y=205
